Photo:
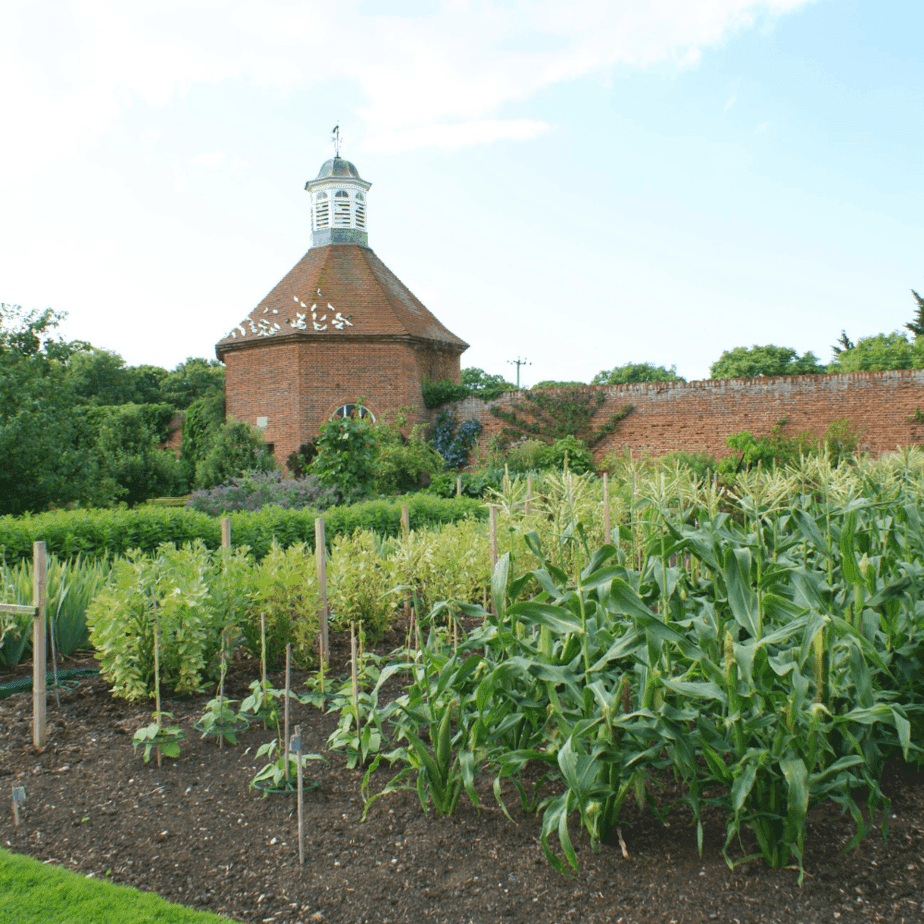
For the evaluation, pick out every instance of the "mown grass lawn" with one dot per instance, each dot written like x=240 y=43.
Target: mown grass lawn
x=34 y=893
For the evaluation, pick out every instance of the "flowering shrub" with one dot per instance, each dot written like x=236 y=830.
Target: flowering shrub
x=454 y=446
x=256 y=490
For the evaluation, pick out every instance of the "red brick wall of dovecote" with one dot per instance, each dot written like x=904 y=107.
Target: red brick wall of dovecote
x=298 y=385
x=698 y=416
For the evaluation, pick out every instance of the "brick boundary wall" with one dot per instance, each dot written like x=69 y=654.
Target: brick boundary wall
x=698 y=416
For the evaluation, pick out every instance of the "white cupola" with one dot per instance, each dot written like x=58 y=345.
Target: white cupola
x=338 y=204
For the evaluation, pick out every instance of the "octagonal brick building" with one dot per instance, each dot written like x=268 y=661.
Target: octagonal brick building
x=339 y=326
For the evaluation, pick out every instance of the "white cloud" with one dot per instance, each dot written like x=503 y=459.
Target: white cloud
x=70 y=68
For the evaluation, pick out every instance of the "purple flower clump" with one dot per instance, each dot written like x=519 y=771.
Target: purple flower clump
x=256 y=490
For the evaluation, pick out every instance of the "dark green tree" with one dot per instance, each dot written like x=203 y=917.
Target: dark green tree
x=40 y=433
x=236 y=449
x=754 y=361
x=637 y=372
x=843 y=343
x=348 y=448
x=916 y=326
x=193 y=379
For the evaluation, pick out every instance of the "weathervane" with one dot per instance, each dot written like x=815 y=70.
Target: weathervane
x=335 y=137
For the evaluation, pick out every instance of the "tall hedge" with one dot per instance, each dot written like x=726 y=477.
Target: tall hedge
x=110 y=532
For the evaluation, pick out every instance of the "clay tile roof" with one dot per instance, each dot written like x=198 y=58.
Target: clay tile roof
x=340 y=290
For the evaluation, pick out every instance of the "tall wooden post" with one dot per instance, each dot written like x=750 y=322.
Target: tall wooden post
x=459 y=486
x=529 y=494
x=320 y=551
x=607 y=533
x=405 y=521
x=225 y=533
x=39 y=652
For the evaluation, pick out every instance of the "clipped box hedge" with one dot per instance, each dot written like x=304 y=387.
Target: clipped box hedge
x=109 y=532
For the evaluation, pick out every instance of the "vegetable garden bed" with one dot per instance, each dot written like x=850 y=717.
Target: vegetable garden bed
x=196 y=834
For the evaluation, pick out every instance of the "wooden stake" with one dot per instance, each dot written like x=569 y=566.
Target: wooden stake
x=286 y=713
x=529 y=494
x=221 y=696
x=225 y=533
x=157 y=680
x=297 y=747
x=459 y=486
x=19 y=796
x=405 y=521
x=320 y=547
x=607 y=534
x=39 y=651
x=353 y=671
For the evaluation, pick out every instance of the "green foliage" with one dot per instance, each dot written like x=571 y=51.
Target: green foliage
x=840 y=440
x=555 y=415
x=403 y=462
x=880 y=352
x=749 y=362
x=482 y=385
x=70 y=587
x=437 y=393
x=108 y=533
x=346 y=459
x=191 y=380
x=559 y=383
x=157 y=737
x=202 y=422
x=527 y=456
x=569 y=453
x=236 y=448
x=172 y=589
x=916 y=326
x=128 y=455
x=40 y=434
x=359 y=577
x=284 y=590
x=101 y=378
x=273 y=775
x=636 y=372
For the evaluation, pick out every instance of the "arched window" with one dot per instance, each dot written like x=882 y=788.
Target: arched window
x=341 y=209
x=354 y=410
x=321 y=211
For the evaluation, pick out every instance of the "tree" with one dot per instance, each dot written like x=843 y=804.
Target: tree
x=879 y=352
x=557 y=383
x=40 y=433
x=843 y=343
x=192 y=379
x=100 y=377
x=636 y=372
x=753 y=361
x=236 y=450
x=484 y=386
x=916 y=326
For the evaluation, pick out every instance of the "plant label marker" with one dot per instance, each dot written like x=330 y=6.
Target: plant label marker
x=320 y=547
x=39 y=653
x=296 y=745
x=19 y=798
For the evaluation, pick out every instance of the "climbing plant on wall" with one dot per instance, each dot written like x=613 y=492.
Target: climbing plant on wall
x=552 y=415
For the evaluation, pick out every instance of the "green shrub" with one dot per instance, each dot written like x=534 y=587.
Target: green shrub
x=110 y=533
x=284 y=590
x=172 y=590
x=437 y=393
x=359 y=577
x=570 y=451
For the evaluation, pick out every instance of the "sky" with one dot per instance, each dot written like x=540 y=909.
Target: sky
x=575 y=185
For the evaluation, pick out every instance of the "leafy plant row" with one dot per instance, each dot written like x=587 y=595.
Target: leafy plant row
x=768 y=656
x=109 y=533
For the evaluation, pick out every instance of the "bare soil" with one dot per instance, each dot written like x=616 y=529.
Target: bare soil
x=194 y=832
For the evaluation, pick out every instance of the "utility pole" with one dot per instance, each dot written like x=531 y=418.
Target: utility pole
x=518 y=362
